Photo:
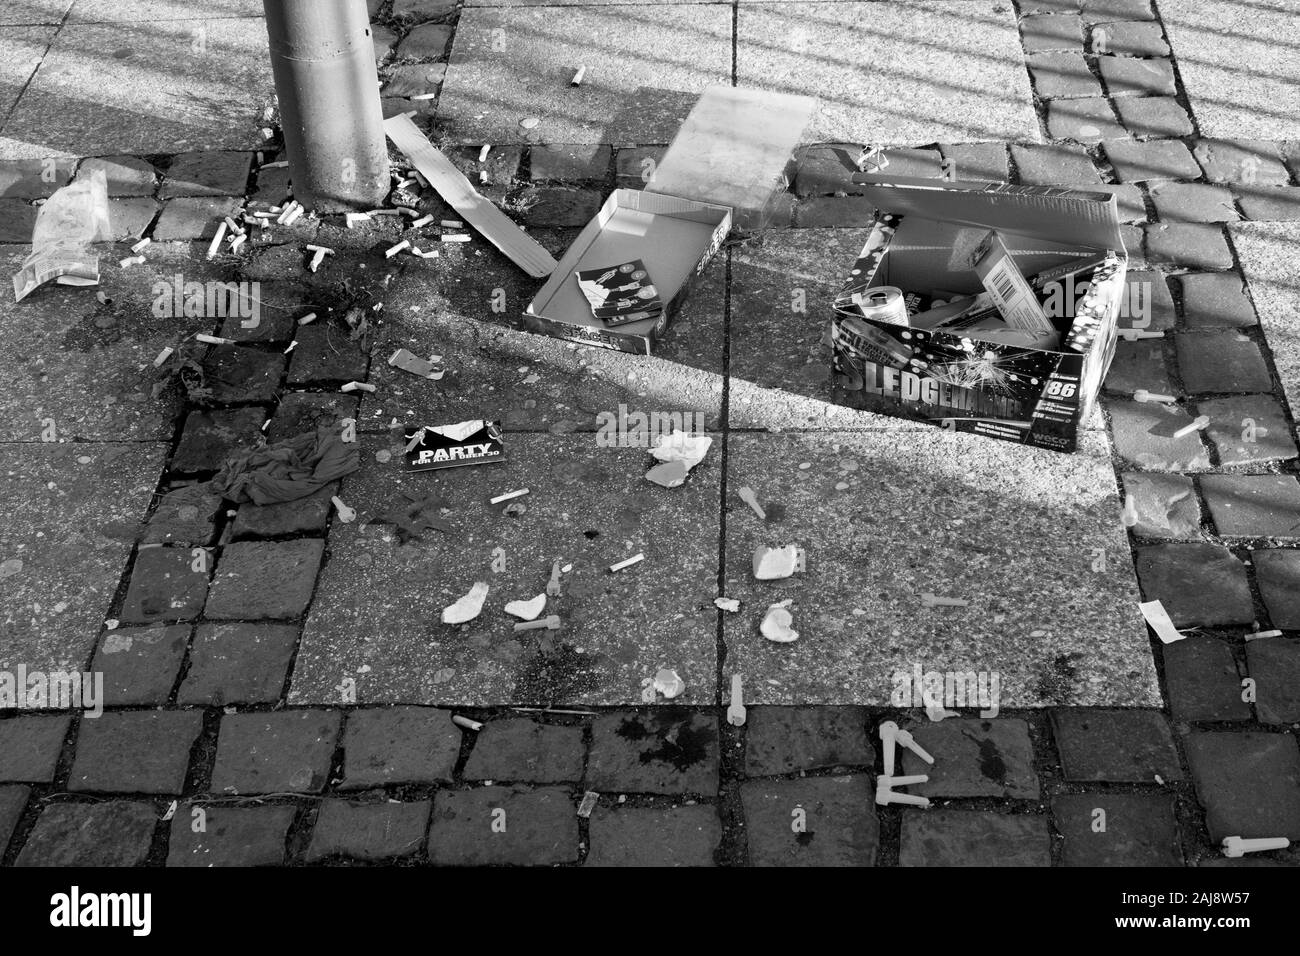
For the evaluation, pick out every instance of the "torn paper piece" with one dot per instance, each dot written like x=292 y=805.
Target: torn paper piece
x=527 y=610
x=668 y=683
x=777 y=623
x=685 y=447
x=668 y=474
x=771 y=564
x=69 y=221
x=1160 y=621
x=731 y=605
x=468 y=607
x=409 y=362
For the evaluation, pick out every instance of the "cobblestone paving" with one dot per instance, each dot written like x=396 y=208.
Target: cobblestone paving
x=205 y=757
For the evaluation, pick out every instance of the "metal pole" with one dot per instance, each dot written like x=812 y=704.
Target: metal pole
x=323 y=61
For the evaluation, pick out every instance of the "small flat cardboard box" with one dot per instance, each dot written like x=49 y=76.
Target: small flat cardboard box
x=675 y=238
x=1026 y=395
x=727 y=163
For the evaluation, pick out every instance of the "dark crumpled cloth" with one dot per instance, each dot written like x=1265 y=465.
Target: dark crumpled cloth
x=287 y=470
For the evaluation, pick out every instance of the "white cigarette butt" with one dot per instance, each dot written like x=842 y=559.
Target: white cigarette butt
x=216 y=240
x=577 y=77
x=357 y=386
x=132 y=261
x=638 y=557
x=465 y=722
x=292 y=345
x=163 y=356
x=1201 y=421
x=394 y=250
x=507 y=496
x=213 y=339
x=422 y=221
x=452 y=224
x=483 y=153
x=139 y=246
x=457 y=238
x=307 y=319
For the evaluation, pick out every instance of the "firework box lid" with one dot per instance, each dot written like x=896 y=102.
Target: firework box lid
x=735 y=149
x=674 y=238
x=920 y=242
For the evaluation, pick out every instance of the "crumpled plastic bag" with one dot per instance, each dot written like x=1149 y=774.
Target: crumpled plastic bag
x=287 y=470
x=74 y=217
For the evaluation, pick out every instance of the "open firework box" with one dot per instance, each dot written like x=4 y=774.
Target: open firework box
x=925 y=241
x=726 y=165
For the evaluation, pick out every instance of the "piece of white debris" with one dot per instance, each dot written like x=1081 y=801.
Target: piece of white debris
x=770 y=564
x=628 y=563
x=669 y=683
x=346 y=515
x=468 y=607
x=588 y=803
x=465 y=722
x=527 y=610
x=736 y=709
x=727 y=604
x=777 y=624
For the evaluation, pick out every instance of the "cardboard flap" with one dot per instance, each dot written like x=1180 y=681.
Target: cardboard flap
x=1043 y=212
x=733 y=150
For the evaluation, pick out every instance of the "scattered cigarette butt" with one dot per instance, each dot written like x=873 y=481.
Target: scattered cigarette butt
x=346 y=515
x=317 y=258
x=419 y=178
x=382 y=212
x=355 y=217
x=431 y=254
x=266 y=424
x=553 y=585
x=237 y=241
x=212 y=339
x=1235 y=846
x=139 y=246
x=394 y=250
x=1257 y=635
x=234 y=227
x=325 y=249
x=483 y=153
x=278 y=164
x=422 y=221
x=459 y=237
x=748 y=497
x=1132 y=335
x=357 y=386
x=465 y=722
x=1201 y=421
x=423 y=96
x=451 y=224
x=216 y=240
x=163 y=356
x=408 y=212
x=307 y=319
x=933 y=600
x=551 y=623
x=736 y=710
x=638 y=557
x=292 y=345
x=507 y=496
x=483 y=178
x=885 y=796
x=408 y=181
x=133 y=261
x=577 y=77
x=1142 y=395
x=589 y=800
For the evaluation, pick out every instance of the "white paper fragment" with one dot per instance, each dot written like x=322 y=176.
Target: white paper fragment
x=1160 y=621
x=773 y=563
x=777 y=623
x=668 y=683
x=727 y=604
x=527 y=610
x=468 y=607
x=685 y=447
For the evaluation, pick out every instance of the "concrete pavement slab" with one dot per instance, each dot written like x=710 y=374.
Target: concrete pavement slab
x=152 y=87
x=643 y=76
x=21 y=49
x=376 y=615
x=898 y=73
x=152 y=11
x=1270 y=259
x=86 y=365
x=71 y=511
x=1238 y=62
x=28 y=12
x=782 y=287
x=1031 y=539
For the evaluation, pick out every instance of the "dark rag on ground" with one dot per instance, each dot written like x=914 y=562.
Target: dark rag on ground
x=287 y=470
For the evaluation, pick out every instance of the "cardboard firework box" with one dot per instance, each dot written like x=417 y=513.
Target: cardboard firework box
x=727 y=165
x=1036 y=278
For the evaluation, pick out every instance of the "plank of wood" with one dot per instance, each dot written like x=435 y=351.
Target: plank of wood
x=457 y=191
